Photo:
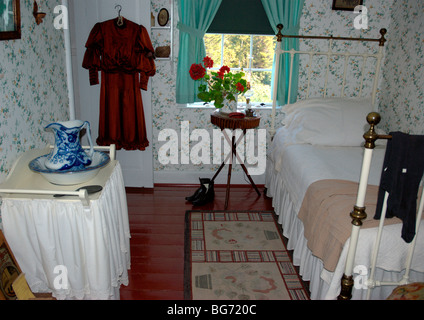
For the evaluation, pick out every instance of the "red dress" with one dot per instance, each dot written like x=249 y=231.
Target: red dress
x=124 y=55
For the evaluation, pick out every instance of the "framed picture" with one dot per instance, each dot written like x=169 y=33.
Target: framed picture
x=348 y=5
x=10 y=20
x=9 y=270
x=163 y=17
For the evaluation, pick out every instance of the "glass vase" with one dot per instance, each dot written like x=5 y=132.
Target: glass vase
x=229 y=106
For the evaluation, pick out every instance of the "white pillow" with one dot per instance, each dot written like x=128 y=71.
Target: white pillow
x=335 y=102
x=328 y=121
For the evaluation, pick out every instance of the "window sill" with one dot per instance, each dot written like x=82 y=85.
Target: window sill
x=211 y=107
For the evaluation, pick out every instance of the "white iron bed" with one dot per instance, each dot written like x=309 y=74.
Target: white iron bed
x=321 y=146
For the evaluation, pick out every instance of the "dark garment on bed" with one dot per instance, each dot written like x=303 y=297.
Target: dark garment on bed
x=402 y=172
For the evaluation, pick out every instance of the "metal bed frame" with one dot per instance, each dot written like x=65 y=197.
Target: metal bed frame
x=329 y=53
x=358 y=214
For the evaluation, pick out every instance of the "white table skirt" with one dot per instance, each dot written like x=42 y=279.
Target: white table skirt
x=92 y=243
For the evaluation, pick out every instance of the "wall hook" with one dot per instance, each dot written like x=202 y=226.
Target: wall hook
x=39 y=16
x=119 y=10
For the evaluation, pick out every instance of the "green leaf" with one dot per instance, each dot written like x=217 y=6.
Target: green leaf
x=204 y=96
x=218 y=98
x=231 y=97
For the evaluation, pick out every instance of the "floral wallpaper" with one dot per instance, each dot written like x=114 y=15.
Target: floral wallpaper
x=402 y=98
x=318 y=19
x=33 y=86
x=33 y=89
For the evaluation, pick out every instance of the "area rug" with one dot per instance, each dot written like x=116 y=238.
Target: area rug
x=238 y=256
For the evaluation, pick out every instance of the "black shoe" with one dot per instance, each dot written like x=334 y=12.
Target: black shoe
x=198 y=192
x=206 y=196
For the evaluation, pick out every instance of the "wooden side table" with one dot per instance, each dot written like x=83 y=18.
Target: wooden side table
x=223 y=121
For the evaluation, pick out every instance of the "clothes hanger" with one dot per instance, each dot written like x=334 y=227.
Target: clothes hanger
x=120 y=21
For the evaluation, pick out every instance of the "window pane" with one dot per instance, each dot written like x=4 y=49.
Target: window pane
x=213 y=45
x=237 y=51
x=261 y=87
x=263 y=52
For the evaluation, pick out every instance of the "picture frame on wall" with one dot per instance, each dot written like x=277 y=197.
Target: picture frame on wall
x=346 y=5
x=10 y=20
x=163 y=17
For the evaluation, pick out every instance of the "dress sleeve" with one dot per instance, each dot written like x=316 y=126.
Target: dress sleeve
x=93 y=53
x=147 y=65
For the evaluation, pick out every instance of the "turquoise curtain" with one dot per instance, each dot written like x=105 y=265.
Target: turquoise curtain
x=195 y=19
x=288 y=13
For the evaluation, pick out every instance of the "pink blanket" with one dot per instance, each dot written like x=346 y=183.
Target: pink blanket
x=325 y=214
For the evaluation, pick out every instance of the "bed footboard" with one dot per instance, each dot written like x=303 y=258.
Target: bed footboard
x=358 y=215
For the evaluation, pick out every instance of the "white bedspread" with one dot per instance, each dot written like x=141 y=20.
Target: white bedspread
x=291 y=169
x=303 y=164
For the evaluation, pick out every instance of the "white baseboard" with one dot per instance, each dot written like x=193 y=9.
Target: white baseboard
x=192 y=177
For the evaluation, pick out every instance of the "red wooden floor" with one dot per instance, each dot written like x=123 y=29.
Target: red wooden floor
x=157 y=236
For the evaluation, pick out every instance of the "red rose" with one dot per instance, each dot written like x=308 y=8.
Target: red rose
x=221 y=75
x=197 y=71
x=240 y=87
x=224 y=69
x=208 y=62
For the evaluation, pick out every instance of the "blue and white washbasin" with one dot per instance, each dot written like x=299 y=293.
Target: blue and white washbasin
x=72 y=176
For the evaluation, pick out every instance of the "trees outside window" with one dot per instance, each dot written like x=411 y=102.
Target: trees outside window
x=252 y=53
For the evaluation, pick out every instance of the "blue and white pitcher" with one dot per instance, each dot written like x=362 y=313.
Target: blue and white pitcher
x=67 y=152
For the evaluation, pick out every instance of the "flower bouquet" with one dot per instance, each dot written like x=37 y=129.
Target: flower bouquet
x=218 y=86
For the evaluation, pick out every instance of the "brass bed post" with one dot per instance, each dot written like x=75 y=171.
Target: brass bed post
x=358 y=214
x=279 y=36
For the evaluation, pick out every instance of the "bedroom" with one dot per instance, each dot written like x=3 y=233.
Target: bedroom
x=34 y=83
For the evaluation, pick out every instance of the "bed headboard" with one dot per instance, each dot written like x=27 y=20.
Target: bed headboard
x=362 y=65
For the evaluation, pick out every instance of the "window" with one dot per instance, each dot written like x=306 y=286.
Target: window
x=245 y=41
x=252 y=53
x=232 y=19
